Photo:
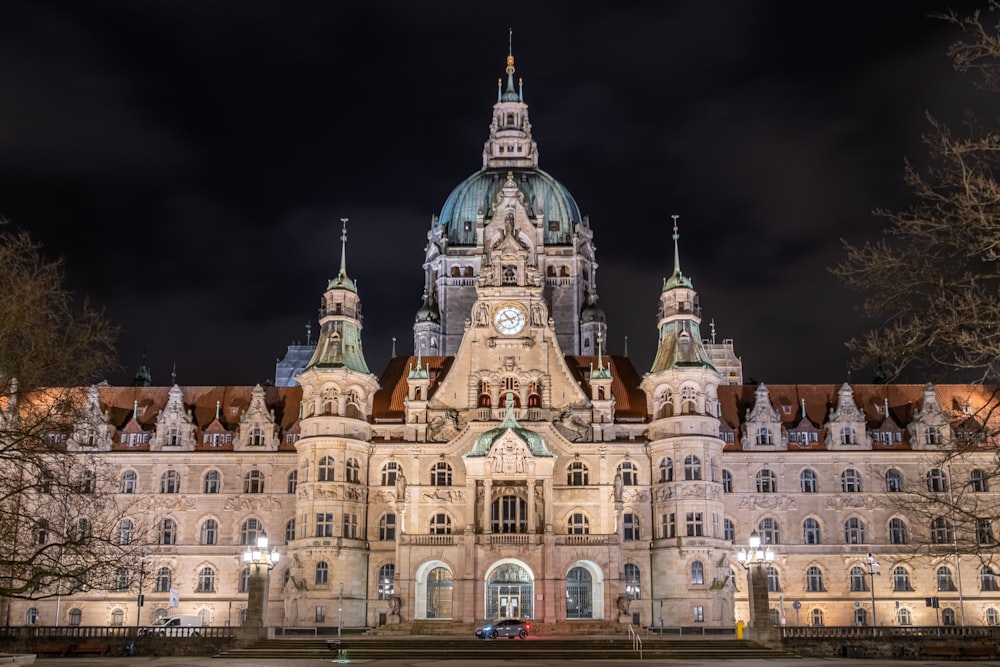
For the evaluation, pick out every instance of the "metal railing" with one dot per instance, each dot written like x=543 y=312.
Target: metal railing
x=636 y=640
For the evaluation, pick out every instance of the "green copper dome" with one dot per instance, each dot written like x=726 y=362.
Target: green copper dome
x=534 y=441
x=477 y=194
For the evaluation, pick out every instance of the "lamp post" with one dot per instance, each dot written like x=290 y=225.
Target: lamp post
x=872 y=565
x=141 y=598
x=755 y=561
x=261 y=561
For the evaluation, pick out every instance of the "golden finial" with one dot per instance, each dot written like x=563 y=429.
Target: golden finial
x=510 y=51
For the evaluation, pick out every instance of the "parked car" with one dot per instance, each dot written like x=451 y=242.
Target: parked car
x=509 y=628
x=174 y=626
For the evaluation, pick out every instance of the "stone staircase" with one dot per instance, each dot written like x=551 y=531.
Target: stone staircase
x=438 y=648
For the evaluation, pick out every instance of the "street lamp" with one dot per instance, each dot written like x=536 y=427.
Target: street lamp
x=755 y=561
x=261 y=561
x=872 y=565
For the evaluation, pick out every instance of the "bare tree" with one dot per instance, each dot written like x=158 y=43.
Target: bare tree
x=61 y=519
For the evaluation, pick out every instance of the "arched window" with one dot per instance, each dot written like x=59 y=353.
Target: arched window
x=325 y=472
x=75 y=616
x=322 y=572
x=629 y=473
x=901 y=579
x=937 y=481
x=897 y=531
x=893 y=481
x=535 y=395
x=31 y=616
x=727 y=481
x=904 y=617
x=945 y=583
x=440 y=524
x=816 y=618
x=697 y=573
x=988 y=579
x=632 y=581
x=41 y=531
x=859 y=580
x=980 y=481
x=947 y=616
x=854 y=531
x=164 y=580
x=578 y=524
x=810 y=531
x=692 y=467
x=253 y=482
x=293 y=481
x=125 y=531
x=386 y=581
x=941 y=531
x=352 y=471
x=485 y=400
x=249 y=531
x=992 y=616
x=212 y=481
x=666 y=469
x=441 y=474
x=577 y=474
x=807 y=481
x=850 y=481
x=387 y=528
x=206 y=580
x=170 y=482
x=210 y=532
x=129 y=479
x=167 y=533
x=767 y=481
x=389 y=472
x=860 y=617
x=118 y=617
x=814 y=580
x=773 y=582
x=290 y=530
x=768 y=531
x=631 y=527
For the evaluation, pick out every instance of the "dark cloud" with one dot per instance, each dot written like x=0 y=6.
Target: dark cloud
x=192 y=160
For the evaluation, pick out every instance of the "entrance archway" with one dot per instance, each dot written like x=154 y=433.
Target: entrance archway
x=509 y=591
x=435 y=588
x=584 y=585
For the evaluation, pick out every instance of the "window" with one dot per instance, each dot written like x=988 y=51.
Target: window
x=932 y=436
x=578 y=524
x=980 y=481
x=293 y=481
x=351 y=526
x=632 y=581
x=944 y=580
x=324 y=524
x=118 y=617
x=75 y=616
x=352 y=471
x=163 y=581
x=814 y=580
x=850 y=481
x=773 y=583
x=893 y=481
x=768 y=530
x=120 y=582
x=213 y=481
x=386 y=577
x=387 y=528
x=129 y=479
x=988 y=579
x=860 y=617
x=847 y=436
x=699 y=614
x=440 y=524
x=859 y=580
x=810 y=531
x=807 y=481
x=692 y=467
x=170 y=482
x=695 y=527
x=389 y=471
x=727 y=481
x=125 y=531
x=697 y=573
x=941 y=531
x=897 y=531
x=767 y=481
x=83 y=531
x=764 y=436
x=325 y=473
x=947 y=616
x=441 y=474
x=577 y=474
x=631 y=526
x=728 y=531
x=666 y=470
x=937 y=481
x=167 y=532
x=253 y=482
x=854 y=531
x=984 y=532
x=992 y=616
x=668 y=526
x=206 y=580
x=320 y=616
x=629 y=473
x=816 y=618
x=41 y=532
x=322 y=572
x=244 y=585
x=904 y=617
x=210 y=532
x=31 y=616
x=290 y=530
x=249 y=531
x=901 y=579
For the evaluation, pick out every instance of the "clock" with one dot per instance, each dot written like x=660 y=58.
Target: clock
x=509 y=319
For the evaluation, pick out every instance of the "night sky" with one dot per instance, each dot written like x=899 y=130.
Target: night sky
x=191 y=160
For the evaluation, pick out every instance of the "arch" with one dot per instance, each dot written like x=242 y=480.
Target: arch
x=509 y=590
x=584 y=592
x=434 y=589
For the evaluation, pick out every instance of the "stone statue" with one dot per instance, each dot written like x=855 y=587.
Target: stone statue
x=394 y=603
x=400 y=486
x=619 y=486
x=622 y=602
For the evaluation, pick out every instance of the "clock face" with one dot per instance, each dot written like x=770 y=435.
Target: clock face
x=509 y=319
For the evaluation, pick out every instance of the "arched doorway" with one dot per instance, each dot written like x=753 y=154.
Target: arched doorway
x=509 y=591
x=584 y=585
x=435 y=588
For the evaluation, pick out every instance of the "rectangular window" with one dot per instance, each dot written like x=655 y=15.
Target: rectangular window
x=324 y=524
x=695 y=526
x=320 y=614
x=668 y=526
x=699 y=614
x=351 y=526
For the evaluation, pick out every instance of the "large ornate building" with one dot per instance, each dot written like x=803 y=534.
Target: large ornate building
x=512 y=468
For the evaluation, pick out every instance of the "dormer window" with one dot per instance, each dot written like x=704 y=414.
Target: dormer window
x=847 y=436
x=764 y=436
x=174 y=437
x=932 y=436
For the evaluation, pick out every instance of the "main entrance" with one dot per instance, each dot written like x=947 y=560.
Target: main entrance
x=509 y=591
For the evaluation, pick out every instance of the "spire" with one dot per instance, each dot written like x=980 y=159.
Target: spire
x=309 y=331
x=626 y=346
x=343 y=280
x=218 y=404
x=173 y=375
x=601 y=371
x=510 y=95
x=393 y=347
x=143 y=378
x=677 y=278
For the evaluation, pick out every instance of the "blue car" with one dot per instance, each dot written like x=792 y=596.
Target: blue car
x=509 y=628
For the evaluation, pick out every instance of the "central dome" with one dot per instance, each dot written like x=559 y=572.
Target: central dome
x=542 y=193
